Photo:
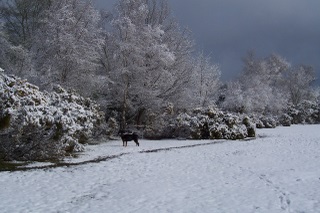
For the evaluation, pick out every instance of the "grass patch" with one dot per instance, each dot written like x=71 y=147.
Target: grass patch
x=5 y=122
x=10 y=166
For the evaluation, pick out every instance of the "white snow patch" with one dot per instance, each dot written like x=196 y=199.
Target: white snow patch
x=277 y=172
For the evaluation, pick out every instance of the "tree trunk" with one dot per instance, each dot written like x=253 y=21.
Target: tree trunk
x=125 y=104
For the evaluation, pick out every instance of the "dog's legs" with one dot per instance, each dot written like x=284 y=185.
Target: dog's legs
x=136 y=141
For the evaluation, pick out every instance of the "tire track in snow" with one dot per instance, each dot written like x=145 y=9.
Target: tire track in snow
x=109 y=157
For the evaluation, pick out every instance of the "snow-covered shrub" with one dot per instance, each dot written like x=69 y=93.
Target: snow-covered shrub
x=39 y=125
x=305 y=112
x=112 y=127
x=200 y=123
x=191 y=126
x=160 y=125
x=250 y=126
x=205 y=123
x=285 y=120
x=263 y=121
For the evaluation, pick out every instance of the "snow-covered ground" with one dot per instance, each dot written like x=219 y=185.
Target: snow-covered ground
x=277 y=172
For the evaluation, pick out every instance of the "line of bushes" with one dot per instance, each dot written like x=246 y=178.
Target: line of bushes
x=37 y=125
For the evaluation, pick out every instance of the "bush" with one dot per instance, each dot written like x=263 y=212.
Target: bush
x=250 y=126
x=39 y=125
x=285 y=120
x=199 y=123
x=211 y=123
x=263 y=121
x=307 y=112
x=159 y=126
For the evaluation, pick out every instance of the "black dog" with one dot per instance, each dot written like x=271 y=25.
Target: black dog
x=128 y=136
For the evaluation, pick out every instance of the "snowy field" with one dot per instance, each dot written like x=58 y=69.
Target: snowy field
x=277 y=172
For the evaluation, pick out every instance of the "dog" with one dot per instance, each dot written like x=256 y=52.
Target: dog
x=128 y=136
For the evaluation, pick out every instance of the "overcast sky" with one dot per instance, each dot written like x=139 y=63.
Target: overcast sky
x=227 y=29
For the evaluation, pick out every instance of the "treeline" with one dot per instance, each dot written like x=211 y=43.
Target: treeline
x=269 y=85
x=141 y=68
x=135 y=61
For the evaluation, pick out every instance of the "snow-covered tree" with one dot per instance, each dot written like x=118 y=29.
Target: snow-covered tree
x=5 y=48
x=261 y=85
x=268 y=69
x=180 y=42
x=66 y=46
x=22 y=18
x=233 y=97
x=206 y=80
x=145 y=52
x=298 y=82
x=14 y=59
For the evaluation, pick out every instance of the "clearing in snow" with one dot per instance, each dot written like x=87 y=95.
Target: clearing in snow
x=277 y=172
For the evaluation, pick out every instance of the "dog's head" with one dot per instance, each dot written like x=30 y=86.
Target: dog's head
x=121 y=132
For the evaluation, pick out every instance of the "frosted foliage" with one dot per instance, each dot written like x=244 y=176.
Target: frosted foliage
x=39 y=125
x=205 y=80
x=234 y=97
x=214 y=124
x=13 y=59
x=5 y=46
x=299 y=82
x=261 y=87
x=306 y=112
x=66 y=46
x=141 y=57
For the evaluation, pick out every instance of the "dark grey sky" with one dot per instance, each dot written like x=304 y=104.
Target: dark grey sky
x=227 y=29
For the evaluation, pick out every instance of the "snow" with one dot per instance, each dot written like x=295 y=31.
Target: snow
x=277 y=172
